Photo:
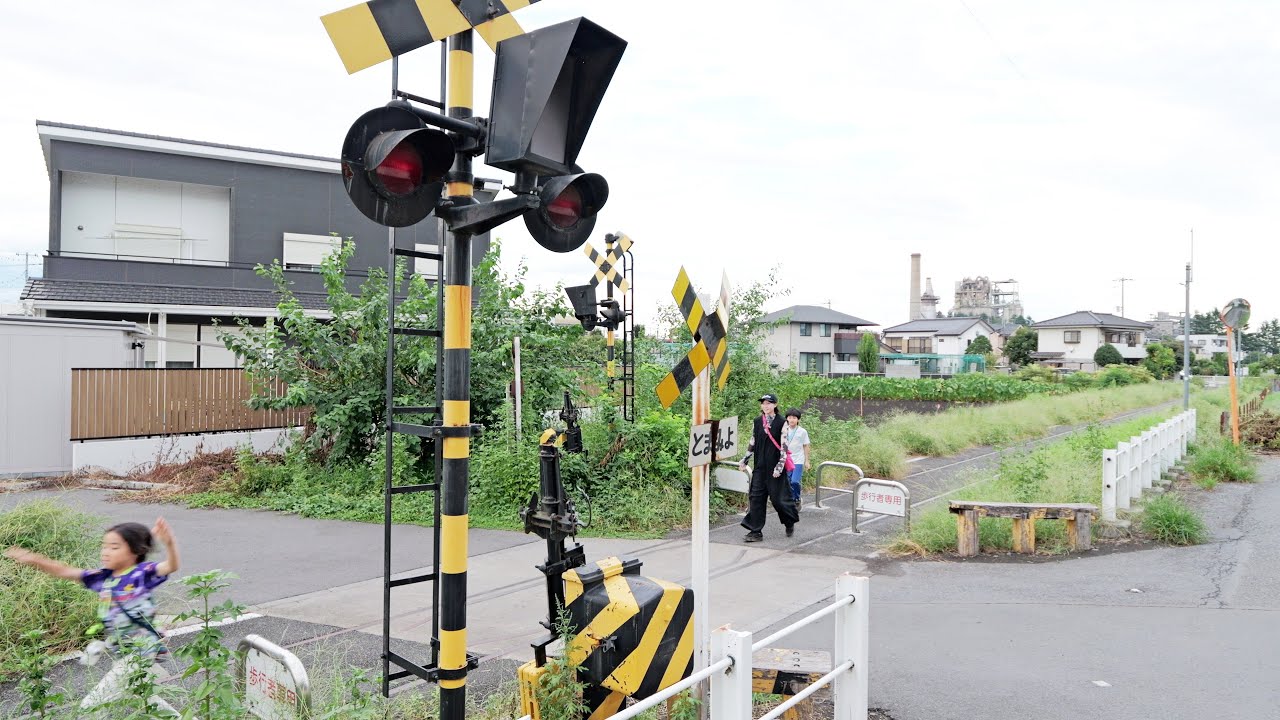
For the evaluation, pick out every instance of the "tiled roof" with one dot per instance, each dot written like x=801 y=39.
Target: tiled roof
x=940 y=326
x=1085 y=318
x=51 y=289
x=814 y=314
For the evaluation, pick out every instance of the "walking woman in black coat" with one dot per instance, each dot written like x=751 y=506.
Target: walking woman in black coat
x=767 y=480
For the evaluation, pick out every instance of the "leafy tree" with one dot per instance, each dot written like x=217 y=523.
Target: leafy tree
x=980 y=345
x=1175 y=347
x=1160 y=361
x=1107 y=355
x=868 y=354
x=338 y=366
x=1019 y=347
x=1021 y=320
x=1208 y=323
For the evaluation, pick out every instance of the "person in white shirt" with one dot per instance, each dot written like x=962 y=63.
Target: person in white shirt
x=796 y=441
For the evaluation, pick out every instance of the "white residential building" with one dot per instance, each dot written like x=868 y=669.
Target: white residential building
x=939 y=336
x=813 y=339
x=1070 y=341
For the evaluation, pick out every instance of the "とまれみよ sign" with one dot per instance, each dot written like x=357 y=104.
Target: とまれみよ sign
x=715 y=440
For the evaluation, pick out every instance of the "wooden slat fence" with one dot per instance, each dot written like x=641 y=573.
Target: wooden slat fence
x=116 y=403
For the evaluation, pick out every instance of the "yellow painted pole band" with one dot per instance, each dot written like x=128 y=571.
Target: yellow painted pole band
x=459 y=189
x=456 y=412
x=453 y=553
x=461 y=78
x=457 y=317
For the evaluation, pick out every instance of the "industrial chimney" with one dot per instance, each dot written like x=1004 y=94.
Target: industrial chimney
x=929 y=301
x=914 y=308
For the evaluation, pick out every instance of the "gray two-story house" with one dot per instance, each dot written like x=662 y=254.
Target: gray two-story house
x=167 y=232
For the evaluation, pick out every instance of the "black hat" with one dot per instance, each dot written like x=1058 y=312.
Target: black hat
x=770 y=397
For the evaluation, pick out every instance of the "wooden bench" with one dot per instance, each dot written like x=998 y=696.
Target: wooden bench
x=1079 y=518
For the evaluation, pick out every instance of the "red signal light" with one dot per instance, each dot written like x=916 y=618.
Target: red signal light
x=400 y=173
x=566 y=209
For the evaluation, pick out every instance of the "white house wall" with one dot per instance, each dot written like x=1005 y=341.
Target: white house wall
x=35 y=390
x=785 y=343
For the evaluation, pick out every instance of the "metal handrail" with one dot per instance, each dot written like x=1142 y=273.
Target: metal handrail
x=817 y=491
x=812 y=688
x=828 y=610
x=673 y=690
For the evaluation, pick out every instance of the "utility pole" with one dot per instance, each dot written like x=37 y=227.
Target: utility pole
x=1122 y=281
x=1186 y=344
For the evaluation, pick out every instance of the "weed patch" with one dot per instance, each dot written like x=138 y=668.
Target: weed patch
x=1168 y=519
x=1220 y=460
x=33 y=601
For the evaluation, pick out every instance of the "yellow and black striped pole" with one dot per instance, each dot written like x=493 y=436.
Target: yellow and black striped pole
x=456 y=370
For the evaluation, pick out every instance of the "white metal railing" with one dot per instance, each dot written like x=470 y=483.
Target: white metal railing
x=730 y=673
x=1138 y=463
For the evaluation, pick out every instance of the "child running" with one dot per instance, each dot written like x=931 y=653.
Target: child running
x=124 y=585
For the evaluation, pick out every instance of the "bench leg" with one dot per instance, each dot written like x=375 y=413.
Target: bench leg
x=967 y=533
x=1079 y=531
x=1024 y=535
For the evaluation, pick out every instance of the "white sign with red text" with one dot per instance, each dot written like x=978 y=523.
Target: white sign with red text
x=883 y=499
x=269 y=689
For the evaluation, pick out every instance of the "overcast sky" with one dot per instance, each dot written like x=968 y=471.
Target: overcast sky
x=1061 y=144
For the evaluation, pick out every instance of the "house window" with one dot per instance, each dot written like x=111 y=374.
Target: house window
x=138 y=218
x=844 y=357
x=806 y=329
x=824 y=329
x=815 y=363
x=1071 y=336
x=305 y=252
x=894 y=343
x=920 y=346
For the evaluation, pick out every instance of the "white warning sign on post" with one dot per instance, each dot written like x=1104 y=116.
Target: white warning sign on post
x=716 y=440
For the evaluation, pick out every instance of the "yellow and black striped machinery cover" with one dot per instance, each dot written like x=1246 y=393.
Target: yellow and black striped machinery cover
x=635 y=634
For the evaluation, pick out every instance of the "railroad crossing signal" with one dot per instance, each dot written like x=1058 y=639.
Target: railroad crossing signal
x=711 y=346
x=609 y=264
x=376 y=31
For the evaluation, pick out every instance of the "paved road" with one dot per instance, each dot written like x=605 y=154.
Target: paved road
x=949 y=639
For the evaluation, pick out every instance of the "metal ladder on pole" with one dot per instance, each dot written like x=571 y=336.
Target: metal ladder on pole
x=394 y=425
x=629 y=339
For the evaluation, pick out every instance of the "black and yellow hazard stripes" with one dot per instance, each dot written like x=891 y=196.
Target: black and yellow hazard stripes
x=635 y=634
x=378 y=30
x=608 y=264
x=455 y=454
x=711 y=346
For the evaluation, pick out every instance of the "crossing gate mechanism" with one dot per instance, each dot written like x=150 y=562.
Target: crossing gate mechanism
x=634 y=638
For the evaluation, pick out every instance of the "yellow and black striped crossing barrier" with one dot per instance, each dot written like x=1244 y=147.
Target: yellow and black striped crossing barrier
x=711 y=345
x=378 y=30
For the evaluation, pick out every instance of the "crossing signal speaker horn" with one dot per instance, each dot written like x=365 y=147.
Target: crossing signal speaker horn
x=393 y=166
x=547 y=85
x=566 y=212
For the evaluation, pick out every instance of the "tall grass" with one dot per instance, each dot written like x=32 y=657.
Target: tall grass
x=1168 y=519
x=1216 y=459
x=882 y=451
x=31 y=600
x=1069 y=471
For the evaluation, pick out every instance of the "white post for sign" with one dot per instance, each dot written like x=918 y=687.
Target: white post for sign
x=701 y=575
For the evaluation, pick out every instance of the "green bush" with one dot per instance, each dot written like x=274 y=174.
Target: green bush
x=1121 y=375
x=1080 y=380
x=1037 y=373
x=1107 y=355
x=32 y=600
x=1168 y=519
x=1220 y=460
